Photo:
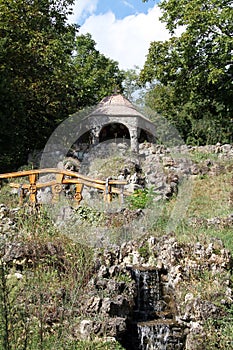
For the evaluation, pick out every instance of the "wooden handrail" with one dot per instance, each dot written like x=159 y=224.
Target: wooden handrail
x=63 y=177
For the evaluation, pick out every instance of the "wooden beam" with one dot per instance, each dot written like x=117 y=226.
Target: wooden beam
x=58 y=171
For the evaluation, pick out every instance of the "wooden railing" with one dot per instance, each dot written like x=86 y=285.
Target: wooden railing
x=62 y=177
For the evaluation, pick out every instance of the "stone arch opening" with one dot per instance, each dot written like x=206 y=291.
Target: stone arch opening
x=81 y=146
x=85 y=138
x=114 y=131
x=144 y=136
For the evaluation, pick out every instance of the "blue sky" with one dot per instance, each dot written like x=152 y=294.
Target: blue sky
x=123 y=8
x=122 y=29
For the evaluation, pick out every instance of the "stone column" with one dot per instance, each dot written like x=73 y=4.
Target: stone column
x=134 y=139
x=95 y=135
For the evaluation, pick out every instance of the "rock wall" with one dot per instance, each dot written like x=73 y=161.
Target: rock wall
x=155 y=166
x=139 y=291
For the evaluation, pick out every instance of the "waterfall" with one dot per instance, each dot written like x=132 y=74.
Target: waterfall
x=152 y=326
x=153 y=336
x=148 y=300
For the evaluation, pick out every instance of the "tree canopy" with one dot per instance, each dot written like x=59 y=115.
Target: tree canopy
x=41 y=80
x=35 y=55
x=192 y=73
x=96 y=75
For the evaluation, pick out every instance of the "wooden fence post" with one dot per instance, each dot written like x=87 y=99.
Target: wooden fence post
x=32 y=188
x=57 y=188
x=107 y=193
x=78 y=194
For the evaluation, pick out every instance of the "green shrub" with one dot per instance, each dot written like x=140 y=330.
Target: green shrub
x=144 y=251
x=88 y=214
x=141 y=198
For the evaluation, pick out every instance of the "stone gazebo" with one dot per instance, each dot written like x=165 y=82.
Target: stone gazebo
x=115 y=118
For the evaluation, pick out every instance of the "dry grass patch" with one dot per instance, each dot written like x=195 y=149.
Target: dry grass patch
x=210 y=196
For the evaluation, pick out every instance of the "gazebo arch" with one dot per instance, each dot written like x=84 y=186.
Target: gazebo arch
x=144 y=135
x=113 y=131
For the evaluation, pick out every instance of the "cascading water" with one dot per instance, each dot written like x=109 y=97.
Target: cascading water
x=148 y=294
x=159 y=335
x=153 y=336
x=150 y=328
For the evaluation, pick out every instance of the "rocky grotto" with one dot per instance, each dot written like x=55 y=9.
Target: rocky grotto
x=148 y=292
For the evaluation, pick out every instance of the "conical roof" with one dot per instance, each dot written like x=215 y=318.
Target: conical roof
x=115 y=105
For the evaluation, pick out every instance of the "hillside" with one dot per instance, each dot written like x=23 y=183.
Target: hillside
x=154 y=272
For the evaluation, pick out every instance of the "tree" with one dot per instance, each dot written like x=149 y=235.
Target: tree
x=36 y=88
x=96 y=76
x=192 y=73
x=47 y=72
x=133 y=89
x=131 y=84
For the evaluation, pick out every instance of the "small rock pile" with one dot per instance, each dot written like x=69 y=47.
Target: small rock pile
x=217 y=222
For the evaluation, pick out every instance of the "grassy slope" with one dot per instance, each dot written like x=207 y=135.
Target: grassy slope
x=209 y=199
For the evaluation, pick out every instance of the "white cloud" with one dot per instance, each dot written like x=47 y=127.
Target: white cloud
x=81 y=9
x=127 y=40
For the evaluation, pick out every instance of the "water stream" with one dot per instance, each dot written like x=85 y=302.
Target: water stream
x=152 y=326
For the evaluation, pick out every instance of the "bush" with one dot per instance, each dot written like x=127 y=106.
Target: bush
x=141 y=198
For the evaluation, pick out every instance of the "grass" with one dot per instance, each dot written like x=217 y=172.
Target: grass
x=219 y=333
x=107 y=167
x=6 y=197
x=186 y=234
x=198 y=157
x=54 y=270
x=39 y=309
x=210 y=197
x=97 y=345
